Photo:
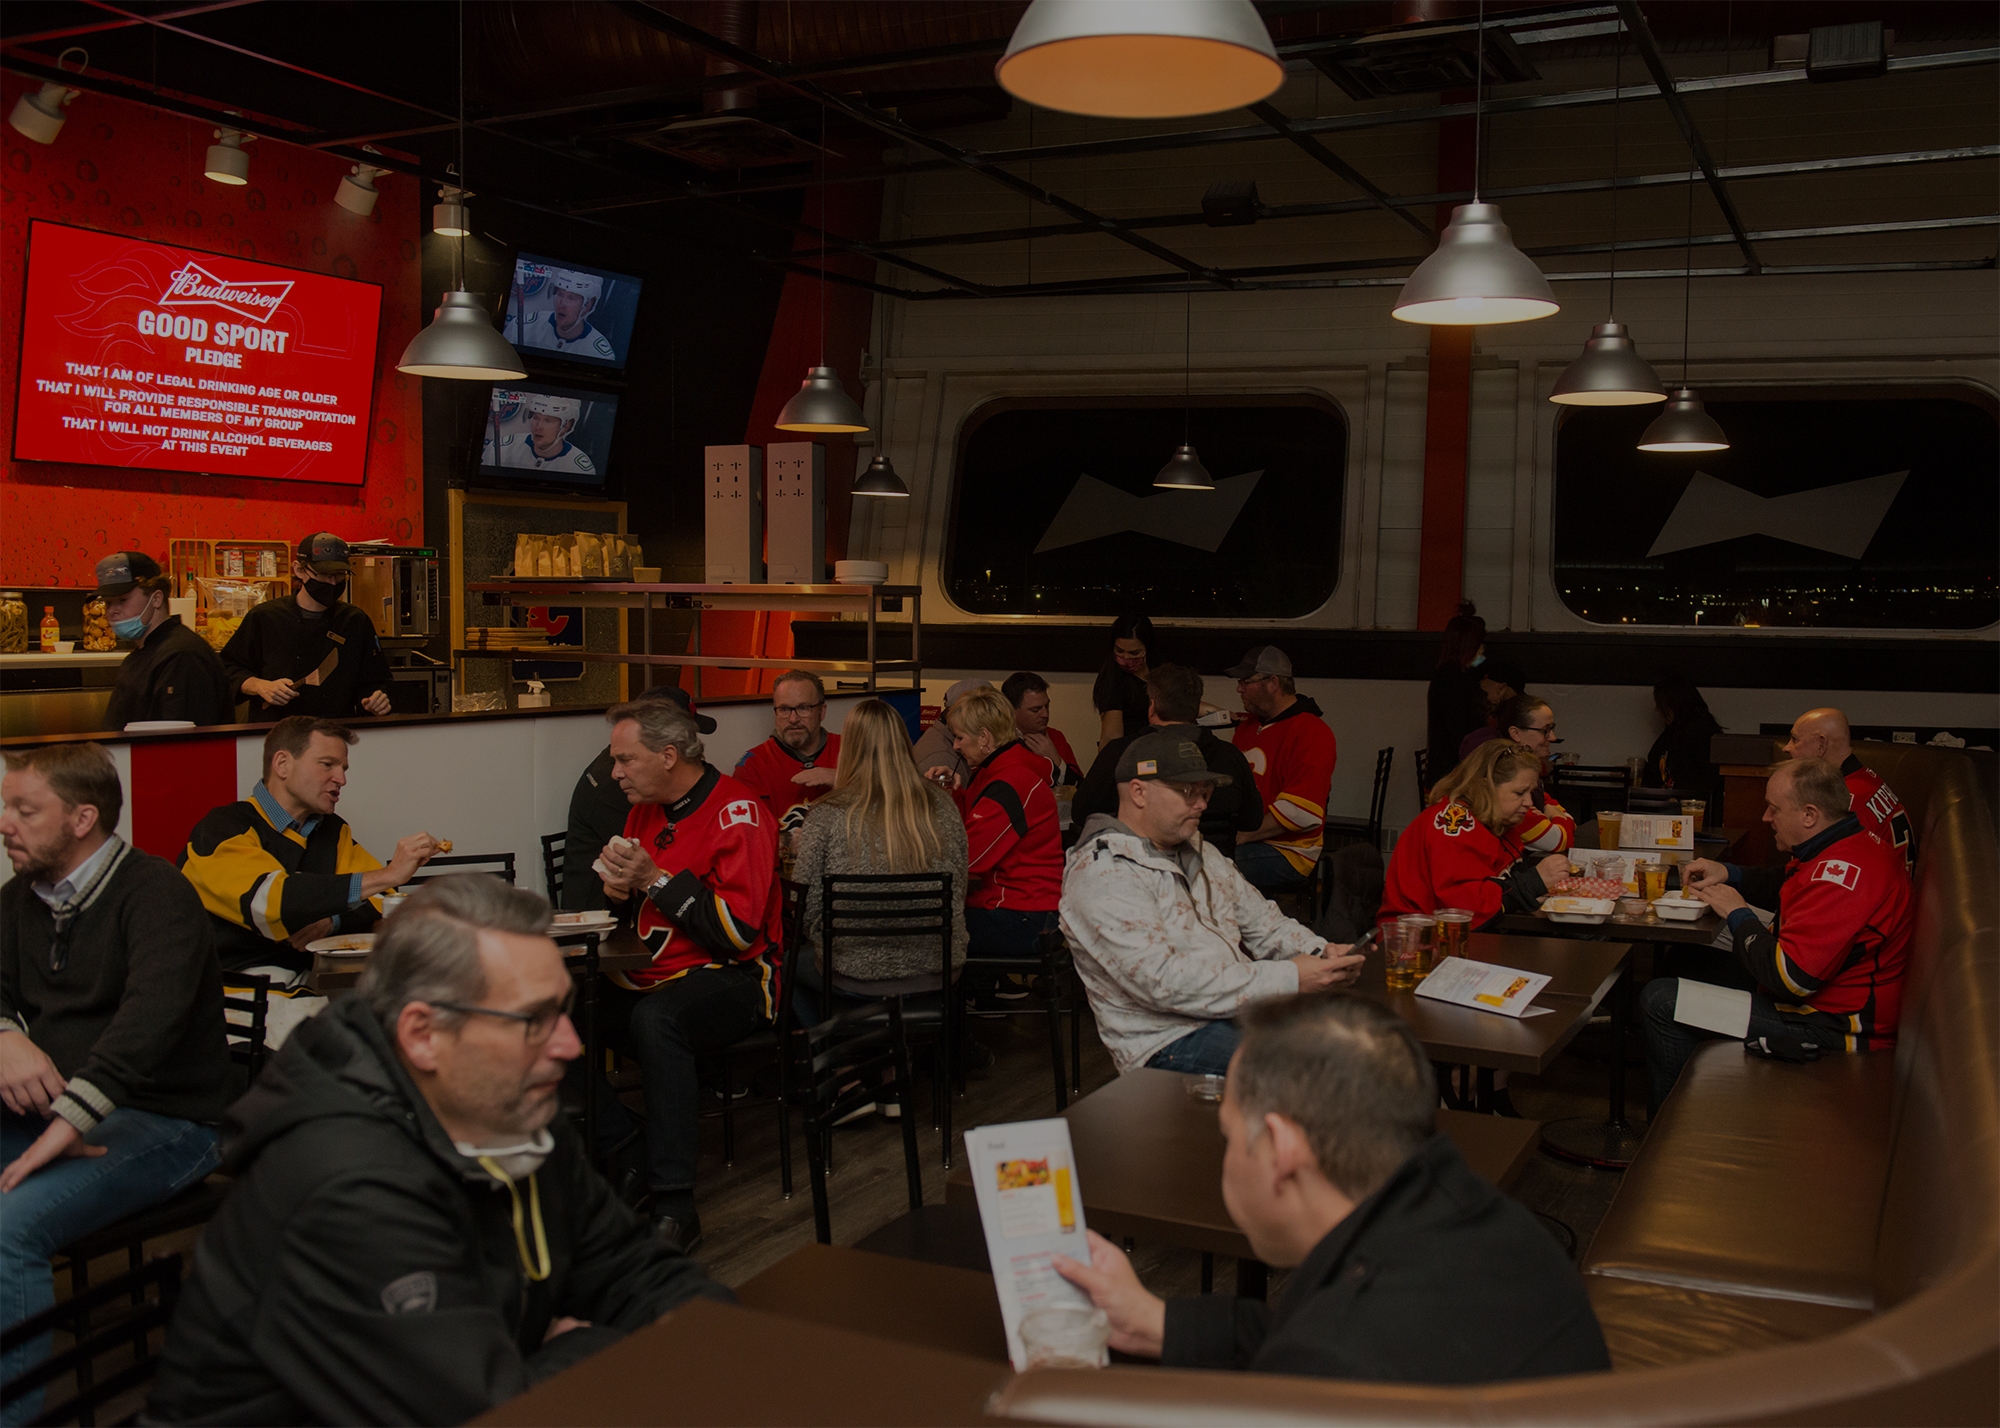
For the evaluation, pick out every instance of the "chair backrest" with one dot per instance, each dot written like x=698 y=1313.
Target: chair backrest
x=1378 y=798
x=249 y=997
x=871 y=906
x=553 y=845
x=138 y=1315
x=501 y=865
x=1423 y=761
x=1606 y=776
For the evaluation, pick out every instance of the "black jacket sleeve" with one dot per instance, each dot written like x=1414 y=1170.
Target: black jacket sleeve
x=1249 y=807
x=692 y=906
x=1521 y=888
x=1759 y=886
x=1215 y=1331
x=374 y=664
x=1098 y=793
x=243 y=656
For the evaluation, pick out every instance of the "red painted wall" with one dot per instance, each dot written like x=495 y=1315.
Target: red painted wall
x=129 y=169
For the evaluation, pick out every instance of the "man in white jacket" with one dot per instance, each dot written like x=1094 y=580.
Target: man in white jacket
x=1170 y=939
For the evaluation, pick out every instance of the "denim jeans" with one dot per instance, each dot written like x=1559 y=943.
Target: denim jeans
x=1669 y=1043
x=149 y=1158
x=1205 y=1051
x=665 y=1031
x=1265 y=868
x=1002 y=932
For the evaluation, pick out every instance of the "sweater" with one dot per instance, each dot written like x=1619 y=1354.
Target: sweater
x=598 y=809
x=277 y=640
x=1293 y=757
x=767 y=770
x=173 y=674
x=261 y=884
x=821 y=850
x=1435 y=1278
x=1448 y=858
x=133 y=1017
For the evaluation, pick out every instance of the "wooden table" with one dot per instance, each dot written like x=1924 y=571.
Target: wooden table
x=1149 y=1161
x=709 y=1363
x=931 y=1306
x=1702 y=931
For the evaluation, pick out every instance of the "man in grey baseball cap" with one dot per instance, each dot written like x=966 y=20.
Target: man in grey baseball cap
x=933 y=749
x=171 y=673
x=1170 y=939
x=1292 y=752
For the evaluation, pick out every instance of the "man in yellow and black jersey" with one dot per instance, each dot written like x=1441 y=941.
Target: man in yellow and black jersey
x=280 y=869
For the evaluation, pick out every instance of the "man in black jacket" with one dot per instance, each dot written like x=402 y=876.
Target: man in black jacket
x=112 y=1061
x=416 y=1234
x=1409 y=1268
x=1174 y=695
x=172 y=674
x=310 y=653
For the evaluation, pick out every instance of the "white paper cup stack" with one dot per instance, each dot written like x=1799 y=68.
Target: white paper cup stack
x=860 y=572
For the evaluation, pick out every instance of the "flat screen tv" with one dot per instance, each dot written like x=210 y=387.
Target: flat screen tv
x=547 y=435
x=160 y=358
x=571 y=312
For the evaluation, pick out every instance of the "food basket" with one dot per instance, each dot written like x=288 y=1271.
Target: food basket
x=1578 y=909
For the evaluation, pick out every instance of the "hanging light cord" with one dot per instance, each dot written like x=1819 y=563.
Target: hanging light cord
x=1687 y=286
x=824 y=256
x=1479 y=101
x=459 y=247
x=1617 y=89
x=1187 y=368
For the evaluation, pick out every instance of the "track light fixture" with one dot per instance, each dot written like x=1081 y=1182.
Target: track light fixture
x=226 y=162
x=40 y=116
x=357 y=192
x=450 y=218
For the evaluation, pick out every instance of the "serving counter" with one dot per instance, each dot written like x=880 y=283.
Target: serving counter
x=491 y=782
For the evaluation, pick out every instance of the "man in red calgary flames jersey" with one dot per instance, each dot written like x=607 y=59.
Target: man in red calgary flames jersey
x=795 y=765
x=1292 y=752
x=1824 y=734
x=699 y=863
x=1830 y=970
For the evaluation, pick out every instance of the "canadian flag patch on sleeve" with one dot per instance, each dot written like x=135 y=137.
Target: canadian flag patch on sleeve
x=1833 y=870
x=744 y=810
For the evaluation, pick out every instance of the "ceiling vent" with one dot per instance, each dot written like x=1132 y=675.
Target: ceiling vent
x=1423 y=64
x=1231 y=203
x=727 y=141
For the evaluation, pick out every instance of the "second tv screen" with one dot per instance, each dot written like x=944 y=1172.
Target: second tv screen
x=537 y=432
x=570 y=312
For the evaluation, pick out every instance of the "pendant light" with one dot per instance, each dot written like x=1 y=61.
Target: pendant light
x=450 y=218
x=880 y=479
x=226 y=161
x=821 y=403
x=1184 y=471
x=1685 y=424
x=1140 y=59
x=1610 y=373
x=1476 y=276
x=461 y=342
x=40 y=116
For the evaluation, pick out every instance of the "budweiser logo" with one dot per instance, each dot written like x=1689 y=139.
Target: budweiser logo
x=195 y=286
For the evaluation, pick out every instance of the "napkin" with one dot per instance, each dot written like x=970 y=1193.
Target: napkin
x=598 y=867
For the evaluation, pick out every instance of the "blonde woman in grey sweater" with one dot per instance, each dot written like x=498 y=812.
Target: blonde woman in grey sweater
x=881 y=817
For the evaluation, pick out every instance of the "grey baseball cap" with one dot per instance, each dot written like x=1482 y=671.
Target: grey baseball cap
x=964 y=687
x=119 y=571
x=324 y=553
x=1169 y=754
x=1262 y=660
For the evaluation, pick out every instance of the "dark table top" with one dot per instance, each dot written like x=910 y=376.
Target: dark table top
x=709 y=1363
x=1701 y=931
x=1149 y=1161
x=619 y=952
x=931 y=1306
x=1582 y=973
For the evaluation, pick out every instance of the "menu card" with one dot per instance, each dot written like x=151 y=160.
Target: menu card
x=1024 y=1174
x=1656 y=830
x=1483 y=986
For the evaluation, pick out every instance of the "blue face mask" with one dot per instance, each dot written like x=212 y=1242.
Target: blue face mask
x=131 y=629
x=1477 y=660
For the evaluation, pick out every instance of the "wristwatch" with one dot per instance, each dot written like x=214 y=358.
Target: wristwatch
x=658 y=883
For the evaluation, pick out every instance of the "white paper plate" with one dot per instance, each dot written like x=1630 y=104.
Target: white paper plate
x=347 y=944
x=583 y=921
x=1578 y=909
x=156 y=726
x=1679 y=909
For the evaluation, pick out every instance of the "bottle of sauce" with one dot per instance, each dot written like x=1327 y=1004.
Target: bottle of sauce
x=51 y=629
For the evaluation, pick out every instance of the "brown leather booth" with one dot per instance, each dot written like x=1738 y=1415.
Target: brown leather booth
x=1795 y=1244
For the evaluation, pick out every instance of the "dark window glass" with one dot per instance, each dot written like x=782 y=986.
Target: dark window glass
x=1868 y=510
x=1055 y=513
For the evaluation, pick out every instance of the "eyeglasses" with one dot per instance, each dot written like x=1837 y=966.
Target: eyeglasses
x=796 y=710
x=536 y=1026
x=1191 y=792
x=1532 y=729
x=1254 y=679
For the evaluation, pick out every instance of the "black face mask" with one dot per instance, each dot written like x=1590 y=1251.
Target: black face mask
x=325 y=592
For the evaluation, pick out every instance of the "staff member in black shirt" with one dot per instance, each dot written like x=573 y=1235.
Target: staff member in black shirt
x=310 y=653
x=173 y=674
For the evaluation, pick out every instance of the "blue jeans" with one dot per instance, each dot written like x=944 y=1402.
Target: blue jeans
x=149 y=1159
x=1205 y=1051
x=1669 y=1043
x=1265 y=868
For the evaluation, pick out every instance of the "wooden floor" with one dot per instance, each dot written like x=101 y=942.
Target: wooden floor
x=748 y=1225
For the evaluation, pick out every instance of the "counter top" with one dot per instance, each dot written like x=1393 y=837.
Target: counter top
x=76 y=659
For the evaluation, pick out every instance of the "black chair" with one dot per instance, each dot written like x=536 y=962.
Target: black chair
x=1368 y=830
x=1588 y=789
x=501 y=865
x=1060 y=997
x=868 y=906
x=552 y=865
x=249 y=997
x=766 y=1041
x=1423 y=762
x=143 y=1314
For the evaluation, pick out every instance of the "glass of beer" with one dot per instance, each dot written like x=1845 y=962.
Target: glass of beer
x=1695 y=809
x=1452 y=928
x=1401 y=955
x=1609 y=826
x=1419 y=928
x=1652 y=874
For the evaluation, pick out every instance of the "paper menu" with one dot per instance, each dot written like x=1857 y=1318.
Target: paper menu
x=1656 y=830
x=1482 y=986
x=1024 y=1175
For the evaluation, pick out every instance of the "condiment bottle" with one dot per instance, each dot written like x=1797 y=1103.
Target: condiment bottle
x=51 y=629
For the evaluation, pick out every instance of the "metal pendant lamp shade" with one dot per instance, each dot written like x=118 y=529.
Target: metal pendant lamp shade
x=822 y=404
x=1476 y=277
x=1685 y=425
x=880 y=479
x=1610 y=373
x=462 y=342
x=1140 y=59
x=1184 y=472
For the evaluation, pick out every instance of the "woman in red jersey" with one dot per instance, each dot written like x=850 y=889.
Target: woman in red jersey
x=1463 y=851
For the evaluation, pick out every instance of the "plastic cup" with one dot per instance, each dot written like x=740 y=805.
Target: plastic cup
x=1452 y=927
x=1420 y=930
x=1609 y=826
x=1065 y=1338
x=1402 y=954
x=1205 y=1088
x=65 y=646
x=1652 y=881
x=1696 y=809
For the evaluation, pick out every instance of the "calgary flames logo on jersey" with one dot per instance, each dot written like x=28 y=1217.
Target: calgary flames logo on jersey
x=1453 y=819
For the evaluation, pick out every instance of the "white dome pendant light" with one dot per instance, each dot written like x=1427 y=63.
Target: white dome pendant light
x=1140 y=59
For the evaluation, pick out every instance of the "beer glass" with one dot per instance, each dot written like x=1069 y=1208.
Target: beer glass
x=1453 y=930
x=1401 y=955
x=1609 y=825
x=1419 y=928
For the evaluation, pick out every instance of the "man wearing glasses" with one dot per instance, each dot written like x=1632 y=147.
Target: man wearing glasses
x=796 y=764
x=1292 y=753
x=416 y=1234
x=1170 y=939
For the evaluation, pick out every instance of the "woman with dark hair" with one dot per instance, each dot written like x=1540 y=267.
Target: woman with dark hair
x=1680 y=757
x=1120 y=691
x=1455 y=704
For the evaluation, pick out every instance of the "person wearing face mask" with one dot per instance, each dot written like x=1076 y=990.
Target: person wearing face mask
x=172 y=673
x=310 y=653
x=1465 y=850
x=1119 y=694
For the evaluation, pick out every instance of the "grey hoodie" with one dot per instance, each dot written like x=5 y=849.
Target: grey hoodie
x=1168 y=940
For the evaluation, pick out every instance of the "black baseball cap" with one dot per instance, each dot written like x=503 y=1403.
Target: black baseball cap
x=1260 y=661
x=680 y=697
x=1169 y=755
x=324 y=553
x=119 y=572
